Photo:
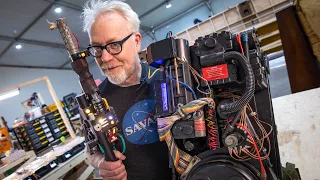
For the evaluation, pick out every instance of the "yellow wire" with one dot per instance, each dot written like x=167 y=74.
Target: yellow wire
x=153 y=73
x=106 y=102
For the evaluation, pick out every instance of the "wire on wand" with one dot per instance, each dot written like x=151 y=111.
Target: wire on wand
x=76 y=39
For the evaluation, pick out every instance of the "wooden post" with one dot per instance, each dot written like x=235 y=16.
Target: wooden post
x=23 y=84
x=60 y=109
x=302 y=66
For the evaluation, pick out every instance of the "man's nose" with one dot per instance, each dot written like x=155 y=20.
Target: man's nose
x=106 y=56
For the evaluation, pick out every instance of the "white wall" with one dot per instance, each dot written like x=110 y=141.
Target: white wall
x=63 y=81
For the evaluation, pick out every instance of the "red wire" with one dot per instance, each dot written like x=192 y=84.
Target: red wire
x=239 y=41
x=263 y=171
x=76 y=39
x=213 y=140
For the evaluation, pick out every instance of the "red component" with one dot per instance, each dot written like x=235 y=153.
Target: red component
x=199 y=125
x=213 y=140
x=239 y=41
x=215 y=72
x=112 y=137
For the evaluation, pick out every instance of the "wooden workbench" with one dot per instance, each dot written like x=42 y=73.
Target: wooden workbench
x=65 y=167
x=29 y=157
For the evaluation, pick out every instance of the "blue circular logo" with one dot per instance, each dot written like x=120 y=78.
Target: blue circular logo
x=139 y=125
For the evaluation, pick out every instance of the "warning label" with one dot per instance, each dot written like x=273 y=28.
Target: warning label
x=215 y=72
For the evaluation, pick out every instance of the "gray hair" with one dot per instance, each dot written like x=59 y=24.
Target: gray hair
x=94 y=8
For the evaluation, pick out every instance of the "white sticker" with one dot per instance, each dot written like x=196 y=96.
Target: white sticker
x=50 y=139
x=42 y=121
x=56 y=130
x=46 y=130
x=53 y=165
x=49 y=135
x=67 y=155
x=44 y=126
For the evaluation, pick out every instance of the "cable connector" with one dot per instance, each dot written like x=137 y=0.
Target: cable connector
x=238 y=36
x=253 y=114
x=244 y=36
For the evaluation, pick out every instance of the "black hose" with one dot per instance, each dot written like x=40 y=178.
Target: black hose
x=236 y=118
x=250 y=83
x=231 y=125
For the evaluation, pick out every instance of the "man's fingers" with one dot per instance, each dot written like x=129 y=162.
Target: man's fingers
x=119 y=155
x=109 y=166
x=116 y=172
x=121 y=176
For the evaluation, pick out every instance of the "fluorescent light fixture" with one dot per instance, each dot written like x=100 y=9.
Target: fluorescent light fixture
x=168 y=5
x=58 y=9
x=18 y=46
x=9 y=94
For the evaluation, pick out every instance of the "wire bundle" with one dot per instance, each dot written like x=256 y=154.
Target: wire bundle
x=213 y=140
x=196 y=75
x=180 y=159
x=256 y=146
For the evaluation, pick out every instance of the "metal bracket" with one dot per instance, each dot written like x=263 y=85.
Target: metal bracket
x=195 y=160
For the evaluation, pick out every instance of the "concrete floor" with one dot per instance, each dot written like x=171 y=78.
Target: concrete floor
x=279 y=81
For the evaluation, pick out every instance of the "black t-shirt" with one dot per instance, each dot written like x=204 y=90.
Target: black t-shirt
x=146 y=156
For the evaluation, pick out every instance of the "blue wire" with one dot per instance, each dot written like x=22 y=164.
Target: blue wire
x=185 y=85
x=124 y=147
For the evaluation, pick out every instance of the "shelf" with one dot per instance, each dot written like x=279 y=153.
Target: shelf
x=207 y=27
x=219 y=22
x=194 y=32
x=237 y=27
x=261 y=5
x=231 y=19
x=232 y=15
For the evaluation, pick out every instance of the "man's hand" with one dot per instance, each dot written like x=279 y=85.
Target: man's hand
x=108 y=170
x=113 y=170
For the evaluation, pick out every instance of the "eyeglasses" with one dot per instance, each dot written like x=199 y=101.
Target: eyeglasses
x=113 y=48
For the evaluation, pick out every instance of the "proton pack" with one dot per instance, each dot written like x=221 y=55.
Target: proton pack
x=213 y=107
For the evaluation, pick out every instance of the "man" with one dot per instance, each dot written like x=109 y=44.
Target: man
x=113 y=28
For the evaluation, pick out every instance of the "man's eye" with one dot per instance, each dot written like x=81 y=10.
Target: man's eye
x=115 y=45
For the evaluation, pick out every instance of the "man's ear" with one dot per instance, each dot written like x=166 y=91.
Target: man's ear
x=138 y=39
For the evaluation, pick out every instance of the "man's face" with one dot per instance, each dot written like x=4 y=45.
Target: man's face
x=111 y=27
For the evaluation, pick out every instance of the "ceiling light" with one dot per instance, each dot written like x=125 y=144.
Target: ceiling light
x=9 y=94
x=58 y=9
x=168 y=5
x=18 y=46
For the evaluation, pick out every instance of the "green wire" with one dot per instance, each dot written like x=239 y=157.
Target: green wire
x=124 y=148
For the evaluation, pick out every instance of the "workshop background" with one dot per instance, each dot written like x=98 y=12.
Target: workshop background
x=43 y=53
x=30 y=50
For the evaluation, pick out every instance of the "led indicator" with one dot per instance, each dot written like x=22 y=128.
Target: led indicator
x=164 y=96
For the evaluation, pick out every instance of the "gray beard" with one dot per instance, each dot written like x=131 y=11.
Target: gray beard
x=122 y=76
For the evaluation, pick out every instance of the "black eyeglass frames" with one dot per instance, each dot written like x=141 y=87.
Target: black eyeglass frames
x=113 y=48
